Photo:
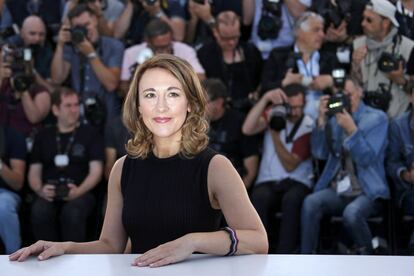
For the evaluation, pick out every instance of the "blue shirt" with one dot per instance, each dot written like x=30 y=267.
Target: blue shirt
x=110 y=51
x=366 y=147
x=285 y=37
x=400 y=152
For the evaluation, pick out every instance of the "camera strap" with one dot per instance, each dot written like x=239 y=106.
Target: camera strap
x=68 y=145
x=289 y=138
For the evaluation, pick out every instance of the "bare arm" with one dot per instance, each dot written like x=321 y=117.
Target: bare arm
x=109 y=77
x=290 y=161
x=60 y=68
x=13 y=175
x=110 y=158
x=113 y=237
x=254 y=122
x=121 y=25
x=92 y=179
x=226 y=190
x=248 y=11
x=36 y=109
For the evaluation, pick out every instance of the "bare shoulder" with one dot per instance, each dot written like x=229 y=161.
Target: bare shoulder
x=221 y=172
x=116 y=172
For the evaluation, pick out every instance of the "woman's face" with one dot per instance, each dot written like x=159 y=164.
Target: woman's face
x=163 y=104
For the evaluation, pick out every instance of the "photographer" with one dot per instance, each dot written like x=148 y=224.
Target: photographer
x=137 y=13
x=383 y=60
x=238 y=64
x=33 y=35
x=107 y=12
x=225 y=132
x=23 y=103
x=158 y=40
x=203 y=13
x=12 y=174
x=302 y=63
x=93 y=62
x=273 y=23
x=342 y=23
x=285 y=171
x=352 y=137
x=66 y=164
x=400 y=161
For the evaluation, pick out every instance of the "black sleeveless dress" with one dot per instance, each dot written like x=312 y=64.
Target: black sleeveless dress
x=165 y=199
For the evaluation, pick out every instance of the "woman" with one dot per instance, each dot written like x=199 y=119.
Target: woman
x=167 y=193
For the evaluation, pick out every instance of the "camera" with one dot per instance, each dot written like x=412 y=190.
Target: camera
x=379 y=98
x=270 y=22
x=338 y=76
x=243 y=104
x=278 y=115
x=337 y=103
x=21 y=66
x=94 y=110
x=61 y=187
x=78 y=34
x=7 y=32
x=389 y=62
x=334 y=13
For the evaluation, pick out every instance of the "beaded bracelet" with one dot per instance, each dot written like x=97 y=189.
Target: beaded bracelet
x=234 y=240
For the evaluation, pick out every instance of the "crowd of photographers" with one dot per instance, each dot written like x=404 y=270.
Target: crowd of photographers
x=310 y=100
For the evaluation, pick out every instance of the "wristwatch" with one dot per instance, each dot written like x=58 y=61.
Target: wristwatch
x=92 y=55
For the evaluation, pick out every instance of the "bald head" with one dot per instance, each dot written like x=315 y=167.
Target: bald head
x=33 y=30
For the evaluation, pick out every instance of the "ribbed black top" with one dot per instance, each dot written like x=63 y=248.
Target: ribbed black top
x=165 y=199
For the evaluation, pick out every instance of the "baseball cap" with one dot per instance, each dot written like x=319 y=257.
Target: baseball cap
x=384 y=8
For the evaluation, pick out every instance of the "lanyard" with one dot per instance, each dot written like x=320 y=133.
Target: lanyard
x=69 y=144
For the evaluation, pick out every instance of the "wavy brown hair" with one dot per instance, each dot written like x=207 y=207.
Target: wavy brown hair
x=194 y=130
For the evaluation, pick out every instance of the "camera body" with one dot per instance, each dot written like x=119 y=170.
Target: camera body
x=78 y=34
x=270 y=22
x=95 y=111
x=334 y=14
x=21 y=66
x=61 y=187
x=379 y=98
x=337 y=103
x=389 y=62
x=278 y=115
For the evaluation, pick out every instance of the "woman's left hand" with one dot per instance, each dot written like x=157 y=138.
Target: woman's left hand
x=167 y=253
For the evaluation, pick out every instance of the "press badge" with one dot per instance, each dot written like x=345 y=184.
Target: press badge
x=343 y=54
x=61 y=160
x=344 y=185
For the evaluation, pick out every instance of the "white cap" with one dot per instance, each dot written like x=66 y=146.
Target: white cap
x=384 y=8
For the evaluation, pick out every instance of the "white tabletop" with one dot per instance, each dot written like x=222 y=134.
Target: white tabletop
x=200 y=265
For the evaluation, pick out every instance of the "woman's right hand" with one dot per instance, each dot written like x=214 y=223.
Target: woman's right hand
x=45 y=250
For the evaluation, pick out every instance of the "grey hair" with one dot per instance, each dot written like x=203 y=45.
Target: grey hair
x=303 y=21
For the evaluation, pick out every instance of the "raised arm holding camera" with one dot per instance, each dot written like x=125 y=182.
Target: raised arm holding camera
x=23 y=103
x=352 y=138
x=383 y=60
x=302 y=63
x=284 y=177
x=93 y=61
x=67 y=162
